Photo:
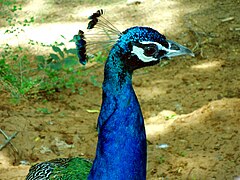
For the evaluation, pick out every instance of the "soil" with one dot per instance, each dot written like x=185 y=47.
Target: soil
x=191 y=106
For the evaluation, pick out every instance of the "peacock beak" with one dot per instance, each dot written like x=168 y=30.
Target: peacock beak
x=175 y=49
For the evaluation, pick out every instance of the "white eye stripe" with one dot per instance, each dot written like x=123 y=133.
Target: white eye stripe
x=160 y=47
x=173 y=49
x=139 y=52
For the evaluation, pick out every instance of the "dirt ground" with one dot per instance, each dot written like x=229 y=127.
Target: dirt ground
x=191 y=105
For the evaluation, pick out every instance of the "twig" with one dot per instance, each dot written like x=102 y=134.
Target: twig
x=188 y=176
x=227 y=19
x=8 y=140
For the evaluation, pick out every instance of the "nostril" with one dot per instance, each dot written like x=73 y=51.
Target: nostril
x=174 y=47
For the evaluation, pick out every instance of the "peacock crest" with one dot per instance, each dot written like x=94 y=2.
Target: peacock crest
x=105 y=36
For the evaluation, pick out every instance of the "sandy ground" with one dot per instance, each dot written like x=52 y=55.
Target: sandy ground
x=192 y=105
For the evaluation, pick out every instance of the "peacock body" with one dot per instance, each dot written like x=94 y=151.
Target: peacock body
x=121 y=150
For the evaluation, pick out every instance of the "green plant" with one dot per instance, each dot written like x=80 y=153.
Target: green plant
x=93 y=80
x=99 y=57
x=48 y=74
x=44 y=110
x=14 y=70
x=10 y=13
x=7 y=78
x=182 y=153
x=162 y=159
x=171 y=116
x=23 y=77
x=59 y=71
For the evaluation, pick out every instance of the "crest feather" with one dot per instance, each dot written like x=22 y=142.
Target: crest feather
x=91 y=42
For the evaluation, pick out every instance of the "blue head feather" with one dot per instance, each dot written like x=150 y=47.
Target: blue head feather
x=139 y=33
x=81 y=47
x=94 y=19
x=121 y=58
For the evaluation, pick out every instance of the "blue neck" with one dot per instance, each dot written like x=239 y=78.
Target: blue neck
x=121 y=149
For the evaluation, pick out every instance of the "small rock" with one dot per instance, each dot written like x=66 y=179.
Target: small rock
x=162 y=146
x=134 y=2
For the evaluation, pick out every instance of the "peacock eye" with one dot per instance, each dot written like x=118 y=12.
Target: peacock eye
x=150 y=50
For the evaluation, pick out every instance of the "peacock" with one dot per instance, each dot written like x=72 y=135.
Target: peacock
x=121 y=151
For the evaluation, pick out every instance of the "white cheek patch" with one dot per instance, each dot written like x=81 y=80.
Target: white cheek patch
x=139 y=52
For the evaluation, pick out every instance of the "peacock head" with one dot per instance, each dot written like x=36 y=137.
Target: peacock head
x=144 y=46
x=135 y=47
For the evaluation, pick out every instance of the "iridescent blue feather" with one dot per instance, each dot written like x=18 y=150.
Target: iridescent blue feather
x=81 y=47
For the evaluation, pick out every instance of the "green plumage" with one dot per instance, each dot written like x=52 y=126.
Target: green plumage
x=70 y=169
x=61 y=169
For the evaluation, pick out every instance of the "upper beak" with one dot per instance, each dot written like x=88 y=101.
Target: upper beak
x=175 y=49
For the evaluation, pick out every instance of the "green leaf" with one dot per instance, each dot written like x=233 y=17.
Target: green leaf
x=72 y=40
x=56 y=49
x=69 y=62
x=32 y=19
x=72 y=51
x=56 y=66
x=61 y=54
x=54 y=56
x=40 y=61
x=92 y=110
